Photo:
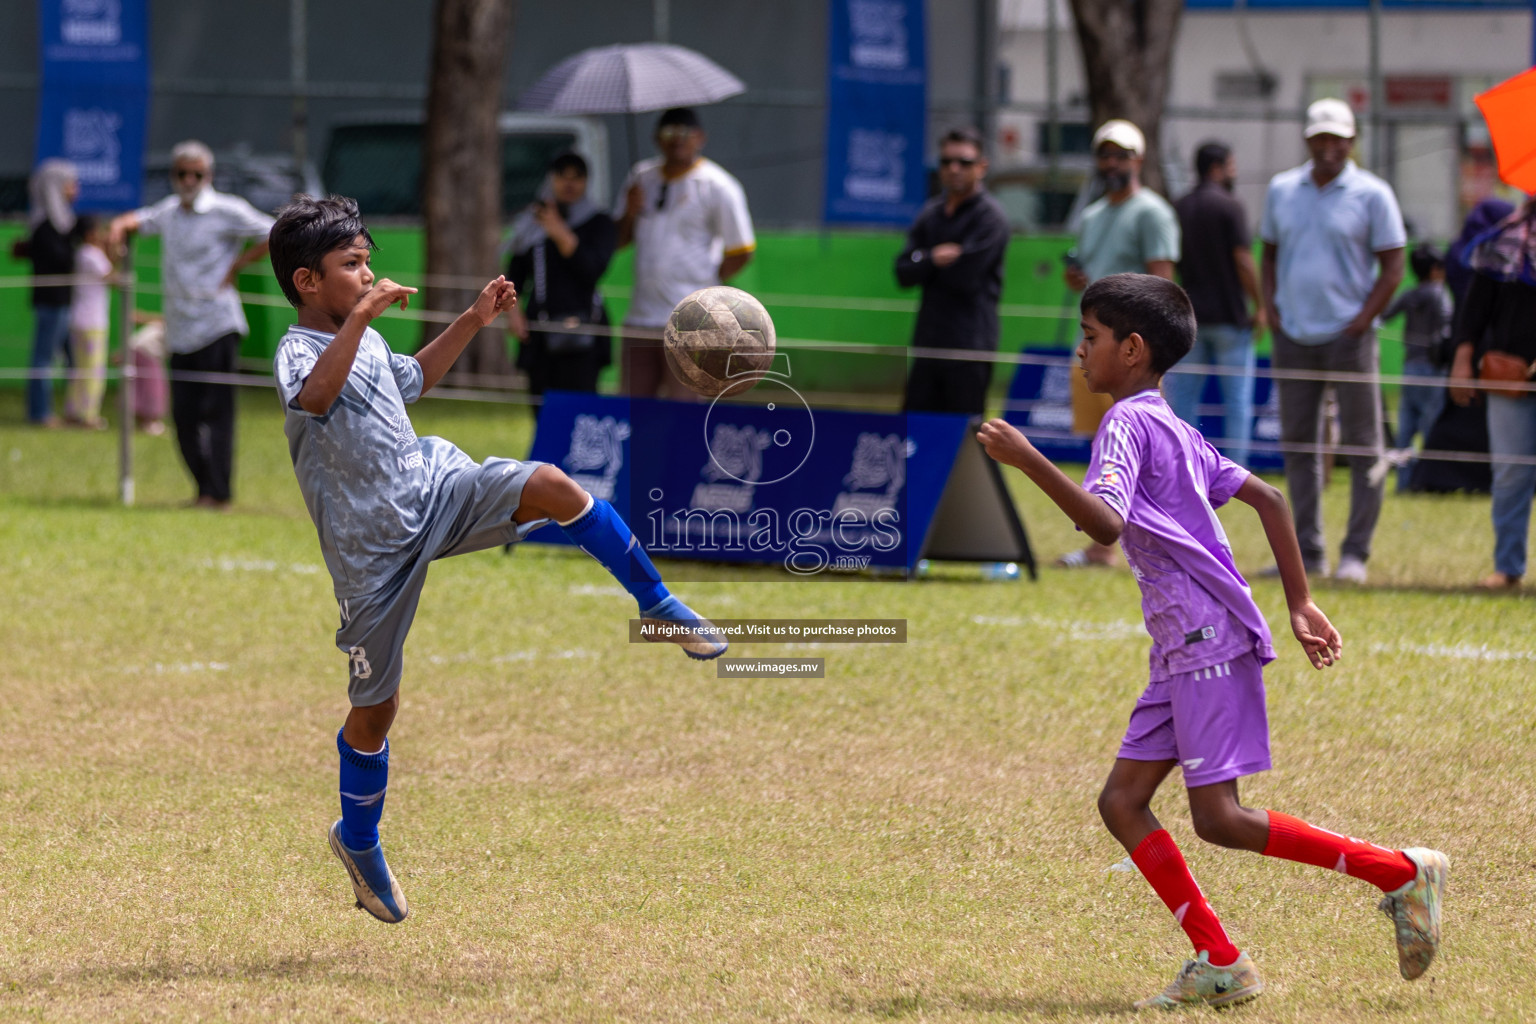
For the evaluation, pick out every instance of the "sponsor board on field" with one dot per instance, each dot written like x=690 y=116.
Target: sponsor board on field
x=767 y=481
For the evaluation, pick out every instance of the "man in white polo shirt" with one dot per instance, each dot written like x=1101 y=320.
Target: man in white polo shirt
x=1333 y=256
x=688 y=219
x=204 y=248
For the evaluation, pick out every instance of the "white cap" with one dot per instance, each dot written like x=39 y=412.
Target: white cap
x=1330 y=117
x=1123 y=134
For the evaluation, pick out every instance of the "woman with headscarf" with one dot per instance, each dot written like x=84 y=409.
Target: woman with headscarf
x=1496 y=344
x=561 y=245
x=1460 y=428
x=51 y=248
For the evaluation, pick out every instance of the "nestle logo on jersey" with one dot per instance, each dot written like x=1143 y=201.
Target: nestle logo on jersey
x=411 y=461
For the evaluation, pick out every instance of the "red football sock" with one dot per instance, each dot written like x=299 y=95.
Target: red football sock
x=1293 y=839
x=1160 y=861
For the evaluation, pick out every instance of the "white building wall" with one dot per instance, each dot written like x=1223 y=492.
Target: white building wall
x=1310 y=54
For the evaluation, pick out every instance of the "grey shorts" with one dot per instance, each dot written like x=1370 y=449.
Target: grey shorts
x=472 y=512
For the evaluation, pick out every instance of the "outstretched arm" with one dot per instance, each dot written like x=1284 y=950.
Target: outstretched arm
x=1312 y=628
x=1092 y=514
x=441 y=352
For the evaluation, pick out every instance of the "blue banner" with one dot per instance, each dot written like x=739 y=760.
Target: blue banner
x=766 y=481
x=877 y=111
x=94 y=100
x=1040 y=404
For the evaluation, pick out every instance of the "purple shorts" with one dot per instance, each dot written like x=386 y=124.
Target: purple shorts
x=1212 y=721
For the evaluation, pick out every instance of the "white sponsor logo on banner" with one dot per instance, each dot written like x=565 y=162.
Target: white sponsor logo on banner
x=597 y=453
x=92 y=145
x=92 y=22
x=876 y=166
x=879 y=33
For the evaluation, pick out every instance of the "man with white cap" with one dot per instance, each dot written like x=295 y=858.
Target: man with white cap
x=1128 y=230
x=1333 y=255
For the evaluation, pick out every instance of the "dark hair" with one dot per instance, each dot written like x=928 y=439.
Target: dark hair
x=684 y=116
x=1210 y=155
x=1153 y=307
x=965 y=135
x=308 y=228
x=85 y=223
x=568 y=161
x=1424 y=259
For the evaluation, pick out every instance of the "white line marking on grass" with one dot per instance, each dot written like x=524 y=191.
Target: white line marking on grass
x=1115 y=629
x=259 y=565
x=178 y=667
x=515 y=656
x=596 y=590
x=1458 y=652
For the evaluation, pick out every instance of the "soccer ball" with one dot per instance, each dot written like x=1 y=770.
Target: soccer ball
x=719 y=339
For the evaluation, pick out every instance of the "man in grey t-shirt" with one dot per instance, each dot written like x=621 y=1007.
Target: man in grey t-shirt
x=1128 y=230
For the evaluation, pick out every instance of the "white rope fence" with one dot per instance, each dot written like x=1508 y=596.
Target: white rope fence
x=502 y=389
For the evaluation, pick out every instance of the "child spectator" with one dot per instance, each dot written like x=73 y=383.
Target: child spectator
x=89 y=309
x=386 y=503
x=1154 y=484
x=1426 y=310
x=147 y=350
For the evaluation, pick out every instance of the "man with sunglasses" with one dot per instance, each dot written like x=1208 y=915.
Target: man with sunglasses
x=954 y=251
x=203 y=250
x=688 y=219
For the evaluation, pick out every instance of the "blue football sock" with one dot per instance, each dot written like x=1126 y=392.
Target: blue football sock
x=364 y=779
x=601 y=533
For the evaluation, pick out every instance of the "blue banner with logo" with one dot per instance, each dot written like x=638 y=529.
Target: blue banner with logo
x=94 y=99
x=766 y=481
x=877 y=112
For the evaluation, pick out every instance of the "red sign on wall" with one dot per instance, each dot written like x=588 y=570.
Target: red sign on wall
x=1419 y=91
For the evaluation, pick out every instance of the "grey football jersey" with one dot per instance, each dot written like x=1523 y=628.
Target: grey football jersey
x=368 y=481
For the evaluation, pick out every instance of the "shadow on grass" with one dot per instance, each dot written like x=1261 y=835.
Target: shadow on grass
x=921 y=1004
x=155 y=971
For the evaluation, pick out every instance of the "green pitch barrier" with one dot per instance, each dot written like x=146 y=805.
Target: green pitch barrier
x=835 y=286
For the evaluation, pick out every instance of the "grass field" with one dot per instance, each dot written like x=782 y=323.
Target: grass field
x=593 y=831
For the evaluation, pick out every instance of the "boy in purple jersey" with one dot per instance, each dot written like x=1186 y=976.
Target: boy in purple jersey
x=1154 y=484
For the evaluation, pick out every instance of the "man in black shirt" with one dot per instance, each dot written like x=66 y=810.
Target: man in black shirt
x=1217 y=270
x=955 y=251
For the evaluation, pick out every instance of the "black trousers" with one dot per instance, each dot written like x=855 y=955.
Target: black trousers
x=204 y=414
x=943 y=385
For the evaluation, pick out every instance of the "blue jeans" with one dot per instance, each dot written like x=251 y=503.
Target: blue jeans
x=49 y=332
x=1417 y=411
x=1511 y=431
x=1230 y=347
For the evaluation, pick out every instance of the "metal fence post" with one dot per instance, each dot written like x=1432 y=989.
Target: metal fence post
x=125 y=294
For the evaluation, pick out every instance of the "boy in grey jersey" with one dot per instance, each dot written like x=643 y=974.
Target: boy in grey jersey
x=386 y=503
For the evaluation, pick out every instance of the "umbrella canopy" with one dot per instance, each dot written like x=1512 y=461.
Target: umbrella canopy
x=1510 y=110
x=630 y=78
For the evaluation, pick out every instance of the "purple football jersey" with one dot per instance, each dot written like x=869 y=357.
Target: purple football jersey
x=1167 y=481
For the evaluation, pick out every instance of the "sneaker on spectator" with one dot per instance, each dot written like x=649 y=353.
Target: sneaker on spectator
x=1351 y=570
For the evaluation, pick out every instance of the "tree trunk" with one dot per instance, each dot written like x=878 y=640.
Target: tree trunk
x=1127 y=48
x=461 y=158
